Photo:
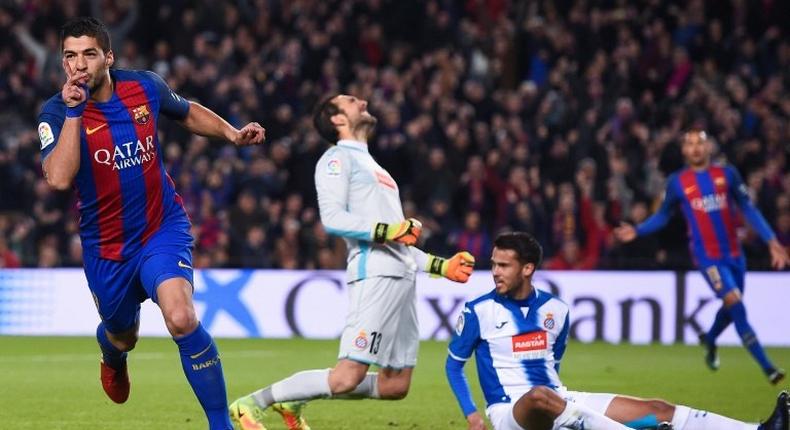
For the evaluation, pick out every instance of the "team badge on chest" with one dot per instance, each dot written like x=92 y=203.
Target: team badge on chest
x=549 y=321
x=141 y=114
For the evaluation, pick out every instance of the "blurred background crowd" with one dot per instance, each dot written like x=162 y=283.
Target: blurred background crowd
x=558 y=117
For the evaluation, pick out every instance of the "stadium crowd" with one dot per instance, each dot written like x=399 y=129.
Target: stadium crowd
x=560 y=118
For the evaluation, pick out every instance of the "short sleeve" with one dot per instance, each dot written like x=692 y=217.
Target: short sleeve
x=50 y=123
x=466 y=336
x=170 y=103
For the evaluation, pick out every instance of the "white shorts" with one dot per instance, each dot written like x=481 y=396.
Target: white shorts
x=501 y=414
x=381 y=326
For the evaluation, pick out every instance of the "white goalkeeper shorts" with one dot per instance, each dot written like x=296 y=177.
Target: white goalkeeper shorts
x=381 y=327
x=501 y=414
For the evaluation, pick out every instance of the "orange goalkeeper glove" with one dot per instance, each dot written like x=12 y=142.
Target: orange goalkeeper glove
x=406 y=232
x=457 y=268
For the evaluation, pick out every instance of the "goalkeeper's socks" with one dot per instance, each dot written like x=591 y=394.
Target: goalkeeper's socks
x=367 y=389
x=580 y=417
x=692 y=419
x=749 y=339
x=202 y=367
x=112 y=356
x=304 y=385
x=721 y=322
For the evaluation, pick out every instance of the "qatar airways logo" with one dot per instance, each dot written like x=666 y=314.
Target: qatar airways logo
x=129 y=154
x=710 y=202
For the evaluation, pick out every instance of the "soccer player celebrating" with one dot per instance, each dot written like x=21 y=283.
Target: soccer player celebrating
x=359 y=201
x=100 y=133
x=518 y=335
x=708 y=193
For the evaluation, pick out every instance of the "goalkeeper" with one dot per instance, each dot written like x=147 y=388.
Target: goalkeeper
x=359 y=201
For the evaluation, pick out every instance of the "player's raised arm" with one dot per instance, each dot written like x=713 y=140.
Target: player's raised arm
x=62 y=161
x=203 y=121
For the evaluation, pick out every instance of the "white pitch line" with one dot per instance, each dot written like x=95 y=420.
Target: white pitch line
x=134 y=356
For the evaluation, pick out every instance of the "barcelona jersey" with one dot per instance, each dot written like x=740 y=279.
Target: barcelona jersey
x=708 y=199
x=125 y=194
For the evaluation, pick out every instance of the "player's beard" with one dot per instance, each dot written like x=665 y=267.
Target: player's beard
x=98 y=81
x=366 y=125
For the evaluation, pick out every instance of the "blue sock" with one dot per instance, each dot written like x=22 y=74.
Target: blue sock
x=111 y=355
x=200 y=361
x=721 y=322
x=749 y=339
x=646 y=422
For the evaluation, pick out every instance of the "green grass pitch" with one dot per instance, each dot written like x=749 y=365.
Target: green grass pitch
x=53 y=383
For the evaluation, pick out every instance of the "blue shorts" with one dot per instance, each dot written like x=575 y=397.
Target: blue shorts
x=118 y=287
x=724 y=276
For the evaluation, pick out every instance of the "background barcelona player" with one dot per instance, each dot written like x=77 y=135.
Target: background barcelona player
x=708 y=194
x=100 y=133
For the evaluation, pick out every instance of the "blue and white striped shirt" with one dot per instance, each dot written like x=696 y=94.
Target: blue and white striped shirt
x=518 y=345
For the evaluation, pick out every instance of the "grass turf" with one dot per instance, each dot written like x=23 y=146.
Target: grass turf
x=53 y=383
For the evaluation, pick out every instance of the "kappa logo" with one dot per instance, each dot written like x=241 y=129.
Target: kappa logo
x=89 y=131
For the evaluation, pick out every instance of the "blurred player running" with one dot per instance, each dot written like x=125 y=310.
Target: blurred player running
x=518 y=335
x=708 y=195
x=100 y=133
x=359 y=201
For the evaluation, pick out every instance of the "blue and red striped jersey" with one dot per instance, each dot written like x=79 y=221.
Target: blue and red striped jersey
x=708 y=199
x=125 y=194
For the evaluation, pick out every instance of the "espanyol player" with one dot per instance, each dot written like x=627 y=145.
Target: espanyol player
x=100 y=133
x=518 y=335
x=708 y=195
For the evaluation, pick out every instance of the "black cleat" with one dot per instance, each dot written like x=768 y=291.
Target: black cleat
x=711 y=354
x=779 y=419
x=665 y=426
x=777 y=376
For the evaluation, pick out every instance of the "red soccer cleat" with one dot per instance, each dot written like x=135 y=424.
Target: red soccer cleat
x=115 y=382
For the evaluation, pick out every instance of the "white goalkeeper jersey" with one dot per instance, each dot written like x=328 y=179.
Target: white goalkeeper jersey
x=355 y=193
x=518 y=344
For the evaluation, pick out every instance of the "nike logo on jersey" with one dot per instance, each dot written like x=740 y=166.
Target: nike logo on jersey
x=183 y=265
x=689 y=190
x=500 y=325
x=90 y=131
x=200 y=353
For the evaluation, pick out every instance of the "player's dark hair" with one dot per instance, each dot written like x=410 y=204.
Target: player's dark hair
x=86 y=26
x=527 y=248
x=322 y=118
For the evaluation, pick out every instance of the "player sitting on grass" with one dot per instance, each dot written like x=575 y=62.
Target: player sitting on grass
x=518 y=335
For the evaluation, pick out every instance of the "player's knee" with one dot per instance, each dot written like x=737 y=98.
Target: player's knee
x=663 y=410
x=181 y=321
x=343 y=380
x=125 y=344
x=394 y=391
x=540 y=399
